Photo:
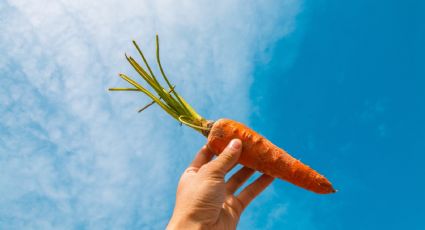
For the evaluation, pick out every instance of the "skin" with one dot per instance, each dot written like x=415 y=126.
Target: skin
x=204 y=200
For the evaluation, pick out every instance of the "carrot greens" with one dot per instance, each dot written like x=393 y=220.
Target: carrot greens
x=168 y=99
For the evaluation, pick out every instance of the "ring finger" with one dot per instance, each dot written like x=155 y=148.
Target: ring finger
x=237 y=180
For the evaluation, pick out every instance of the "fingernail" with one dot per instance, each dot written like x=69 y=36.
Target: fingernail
x=235 y=144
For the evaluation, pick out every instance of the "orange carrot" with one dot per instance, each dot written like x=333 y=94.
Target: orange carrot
x=258 y=153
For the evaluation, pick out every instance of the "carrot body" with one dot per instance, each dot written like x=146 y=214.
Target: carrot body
x=260 y=154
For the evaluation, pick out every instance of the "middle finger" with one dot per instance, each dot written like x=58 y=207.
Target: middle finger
x=237 y=180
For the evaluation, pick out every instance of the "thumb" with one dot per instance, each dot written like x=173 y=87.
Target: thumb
x=225 y=161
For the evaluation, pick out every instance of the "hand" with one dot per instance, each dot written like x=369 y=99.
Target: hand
x=205 y=201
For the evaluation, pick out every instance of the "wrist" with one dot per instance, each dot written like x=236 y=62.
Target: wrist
x=184 y=223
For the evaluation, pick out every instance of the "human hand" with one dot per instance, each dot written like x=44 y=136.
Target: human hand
x=205 y=201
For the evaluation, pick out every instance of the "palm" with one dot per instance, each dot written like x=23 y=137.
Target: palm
x=230 y=213
x=213 y=199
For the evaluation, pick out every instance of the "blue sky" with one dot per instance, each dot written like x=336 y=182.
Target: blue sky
x=339 y=85
x=352 y=104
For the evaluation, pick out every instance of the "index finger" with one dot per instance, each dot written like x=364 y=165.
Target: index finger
x=227 y=159
x=202 y=157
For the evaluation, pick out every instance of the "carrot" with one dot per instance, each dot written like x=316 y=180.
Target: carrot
x=258 y=153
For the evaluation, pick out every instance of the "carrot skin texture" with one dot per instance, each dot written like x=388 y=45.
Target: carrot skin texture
x=260 y=154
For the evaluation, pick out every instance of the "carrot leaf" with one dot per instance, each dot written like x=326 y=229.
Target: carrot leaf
x=169 y=100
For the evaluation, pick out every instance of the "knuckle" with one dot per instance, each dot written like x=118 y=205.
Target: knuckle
x=226 y=156
x=214 y=170
x=240 y=204
x=216 y=175
x=190 y=170
x=251 y=193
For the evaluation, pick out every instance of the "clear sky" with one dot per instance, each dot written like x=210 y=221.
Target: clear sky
x=352 y=103
x=340 y=85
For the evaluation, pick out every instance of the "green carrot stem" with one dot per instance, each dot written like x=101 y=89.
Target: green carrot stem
x=169 y=100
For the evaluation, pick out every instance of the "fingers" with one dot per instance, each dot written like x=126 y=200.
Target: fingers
x=238 y=179
x=202 y=157
x=233 y=166
x=227 y=159
x=254 y=189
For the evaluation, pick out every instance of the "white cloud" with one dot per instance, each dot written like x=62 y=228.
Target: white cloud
x=72 y=154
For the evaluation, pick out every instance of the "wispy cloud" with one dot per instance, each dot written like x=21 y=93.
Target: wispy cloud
x=74 y=155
